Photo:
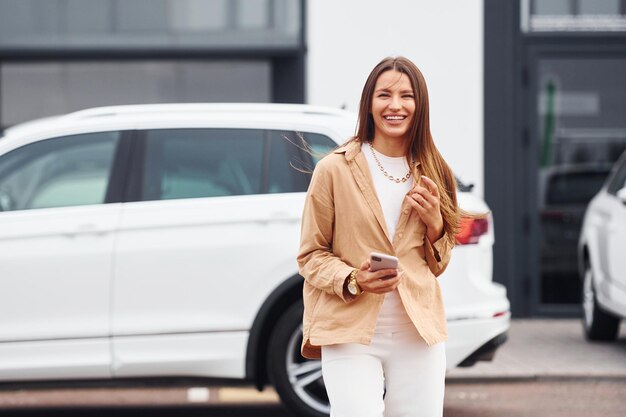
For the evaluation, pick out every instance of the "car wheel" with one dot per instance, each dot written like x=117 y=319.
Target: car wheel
x=298 y=381
x=598 y=324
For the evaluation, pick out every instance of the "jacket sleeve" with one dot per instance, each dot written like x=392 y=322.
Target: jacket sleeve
x=438 y=253
x=316 y=261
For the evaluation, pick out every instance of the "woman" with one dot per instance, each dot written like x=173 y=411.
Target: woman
x=387 y=190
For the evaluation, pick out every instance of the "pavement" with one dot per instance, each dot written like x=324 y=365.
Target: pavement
x=549 y=349
x=537 y=350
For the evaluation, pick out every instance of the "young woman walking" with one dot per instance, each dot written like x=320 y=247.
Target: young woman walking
x=380 y=334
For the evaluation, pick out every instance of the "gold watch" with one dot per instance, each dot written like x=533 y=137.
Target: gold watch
x=353 y=285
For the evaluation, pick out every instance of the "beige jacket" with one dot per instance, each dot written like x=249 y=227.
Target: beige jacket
x=342 y=223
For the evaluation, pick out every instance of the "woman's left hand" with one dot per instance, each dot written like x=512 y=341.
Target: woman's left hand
x=425 y=200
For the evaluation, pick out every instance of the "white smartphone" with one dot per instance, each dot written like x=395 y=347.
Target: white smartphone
x=381 y=261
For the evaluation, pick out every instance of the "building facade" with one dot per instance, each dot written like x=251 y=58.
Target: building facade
x=62 y=55
x=526 y=96
x=555 y=107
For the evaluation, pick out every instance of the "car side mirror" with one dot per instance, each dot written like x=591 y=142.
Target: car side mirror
x=621 y=194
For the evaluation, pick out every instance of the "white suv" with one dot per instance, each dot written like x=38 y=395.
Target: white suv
x=160 y=241
x=601 y=259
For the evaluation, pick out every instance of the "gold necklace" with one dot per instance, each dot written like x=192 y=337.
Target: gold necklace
x=384 y=171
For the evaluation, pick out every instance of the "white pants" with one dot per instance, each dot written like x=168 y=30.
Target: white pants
x=399 y=364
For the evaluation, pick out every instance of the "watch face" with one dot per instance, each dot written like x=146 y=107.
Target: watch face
x=352 y=288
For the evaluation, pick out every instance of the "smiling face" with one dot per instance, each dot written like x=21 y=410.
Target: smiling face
x=393 y=106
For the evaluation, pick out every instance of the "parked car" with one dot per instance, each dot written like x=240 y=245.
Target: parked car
x=602 y=257
x=159 y=242
x=564 y=192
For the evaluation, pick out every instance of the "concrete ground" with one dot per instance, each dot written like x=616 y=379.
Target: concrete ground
x=554 y=348
x=537 y=350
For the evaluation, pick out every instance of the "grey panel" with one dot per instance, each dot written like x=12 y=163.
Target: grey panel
x=599 y=7
x=287 y=16
x=228 y=81
x=48 y=18
x=16 y=18
x=154 y=24
x=141 y=16
x=552 y=7
x=253 y=14
x=87 y=17
x=198 y=15
x=32 y=90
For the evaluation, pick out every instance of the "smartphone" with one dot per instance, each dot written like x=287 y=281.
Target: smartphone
x=381 y=261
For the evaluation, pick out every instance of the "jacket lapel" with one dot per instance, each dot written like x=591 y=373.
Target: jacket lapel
x=362 y=176
x=405 y=204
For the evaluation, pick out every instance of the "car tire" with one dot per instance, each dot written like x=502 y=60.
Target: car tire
x=598 y=324
x=298 y=381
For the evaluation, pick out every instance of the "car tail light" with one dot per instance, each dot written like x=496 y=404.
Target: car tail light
x=471 y=230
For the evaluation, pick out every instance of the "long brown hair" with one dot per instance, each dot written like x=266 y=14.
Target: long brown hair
x=420 y=147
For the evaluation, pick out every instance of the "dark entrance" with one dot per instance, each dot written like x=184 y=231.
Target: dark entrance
x=554 y=122
x=576 y=107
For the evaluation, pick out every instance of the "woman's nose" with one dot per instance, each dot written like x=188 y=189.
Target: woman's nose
x=395 y=103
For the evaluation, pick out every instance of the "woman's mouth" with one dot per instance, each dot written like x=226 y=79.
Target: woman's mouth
x=395 y=118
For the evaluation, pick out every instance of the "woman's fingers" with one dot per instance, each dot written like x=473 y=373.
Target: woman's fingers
x=420 y=204
x=379 y=282
x=429 y=192
x=384 y=274
x=430 y=184
x=424 y=201
x=415 y=204
x=425 y=194
x=430 y=214
x=388 y=284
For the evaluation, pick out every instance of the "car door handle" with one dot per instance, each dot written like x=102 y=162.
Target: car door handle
x=280 y=216
x=87 y=229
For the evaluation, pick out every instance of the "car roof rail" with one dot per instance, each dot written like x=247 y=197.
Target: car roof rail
x=202 y=107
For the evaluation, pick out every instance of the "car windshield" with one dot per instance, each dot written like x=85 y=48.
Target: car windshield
x=574 y=188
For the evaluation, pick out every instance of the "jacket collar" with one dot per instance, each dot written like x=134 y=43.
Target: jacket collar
x=350 y=149
x=362 y=175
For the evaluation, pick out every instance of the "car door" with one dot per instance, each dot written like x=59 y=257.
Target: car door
x=56 y=245
x=214 y=231
x=616 y=233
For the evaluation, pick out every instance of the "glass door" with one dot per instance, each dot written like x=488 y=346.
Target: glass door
x=579 y=128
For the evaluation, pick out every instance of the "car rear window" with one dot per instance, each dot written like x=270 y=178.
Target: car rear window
x=574 y=188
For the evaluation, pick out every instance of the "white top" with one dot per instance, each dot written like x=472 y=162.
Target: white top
x=392 y=316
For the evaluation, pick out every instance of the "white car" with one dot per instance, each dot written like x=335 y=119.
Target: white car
x=160 y=241
x=602 y=257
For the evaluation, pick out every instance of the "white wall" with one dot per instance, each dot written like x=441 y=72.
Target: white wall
x=347 y=38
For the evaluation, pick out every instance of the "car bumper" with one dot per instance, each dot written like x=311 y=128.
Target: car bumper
x=471 y=340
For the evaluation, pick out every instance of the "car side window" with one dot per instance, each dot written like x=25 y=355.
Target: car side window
x=619 y=180
x=321 y=145
x=196 y=163
x=58 y=172
x=293 y=156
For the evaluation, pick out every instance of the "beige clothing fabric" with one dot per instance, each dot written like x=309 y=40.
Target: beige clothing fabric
x=342 y=223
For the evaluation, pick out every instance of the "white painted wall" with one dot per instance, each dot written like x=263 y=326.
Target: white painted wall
x=347 y=38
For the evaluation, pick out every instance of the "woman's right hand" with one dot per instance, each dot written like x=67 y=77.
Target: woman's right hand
x=378 y=282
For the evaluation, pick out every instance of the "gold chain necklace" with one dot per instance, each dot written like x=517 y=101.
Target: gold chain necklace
x=384 y=171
